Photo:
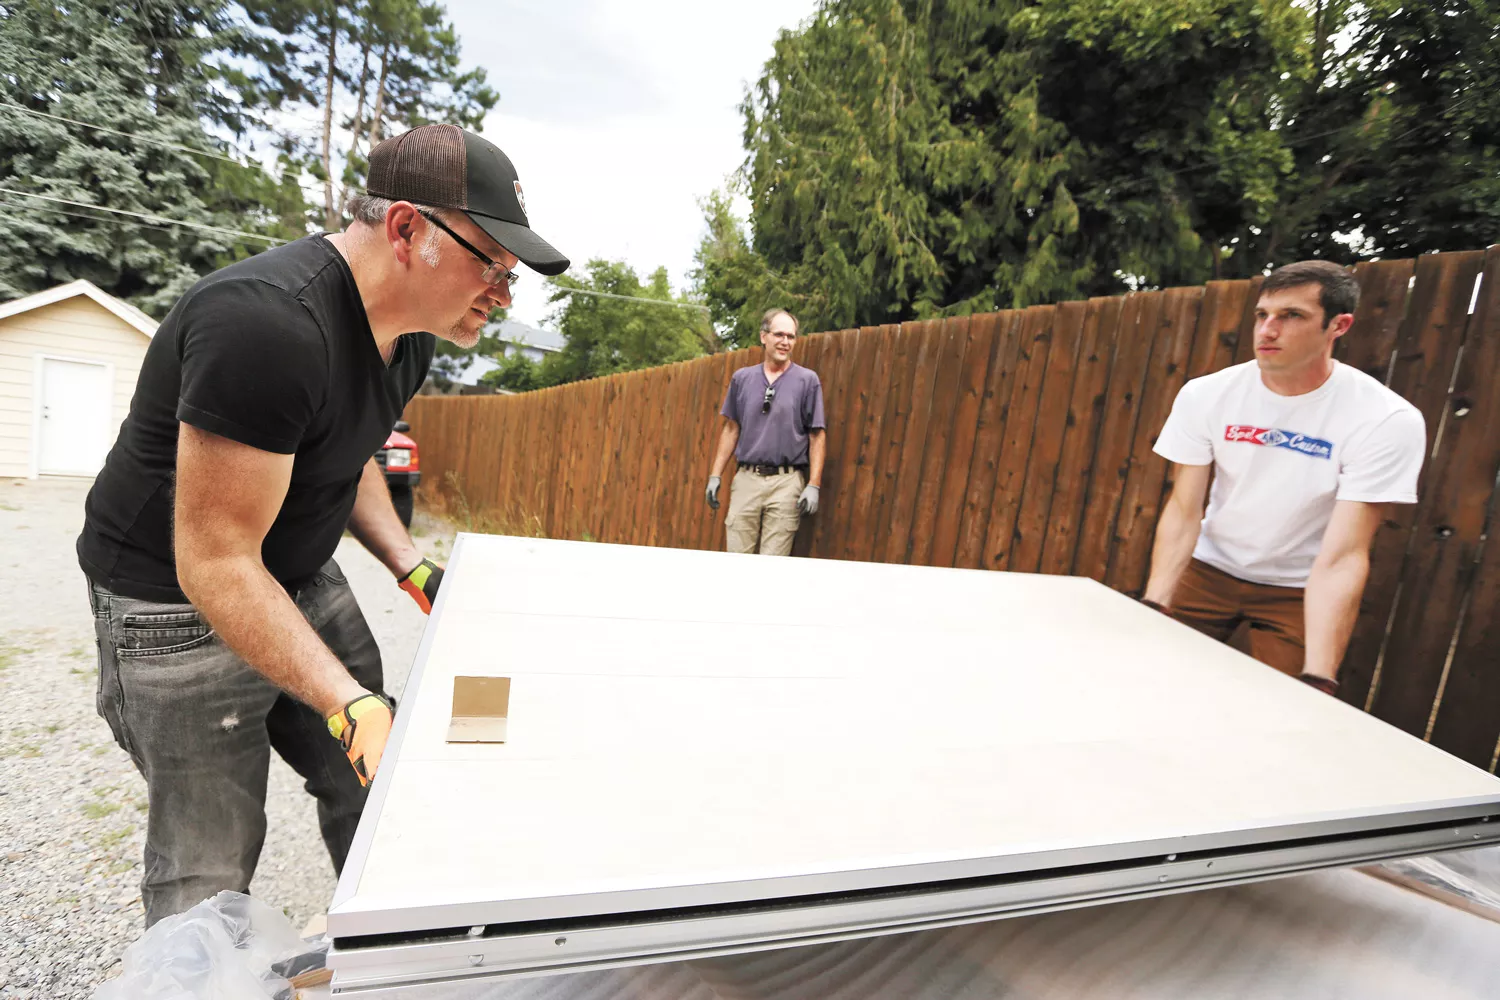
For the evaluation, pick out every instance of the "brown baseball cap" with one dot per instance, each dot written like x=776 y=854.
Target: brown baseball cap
x=445 y=166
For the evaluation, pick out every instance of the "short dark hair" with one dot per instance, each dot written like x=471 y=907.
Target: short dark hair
x=1338 y=291
x=770 y=314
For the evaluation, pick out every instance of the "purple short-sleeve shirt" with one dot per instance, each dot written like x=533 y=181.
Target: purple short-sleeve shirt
x=777 y=437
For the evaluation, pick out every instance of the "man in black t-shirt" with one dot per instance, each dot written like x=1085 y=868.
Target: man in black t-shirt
x=225 y=627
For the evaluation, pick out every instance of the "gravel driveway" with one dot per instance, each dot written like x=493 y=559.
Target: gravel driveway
x=72 y=807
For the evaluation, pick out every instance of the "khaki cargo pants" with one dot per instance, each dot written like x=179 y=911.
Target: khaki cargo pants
x=763 y=514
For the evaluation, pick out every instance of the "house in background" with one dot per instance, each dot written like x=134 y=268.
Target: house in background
x=69 y=357
x=532 y=341
x=515 y=338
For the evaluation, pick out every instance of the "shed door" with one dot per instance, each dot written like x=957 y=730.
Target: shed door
x=75 y=409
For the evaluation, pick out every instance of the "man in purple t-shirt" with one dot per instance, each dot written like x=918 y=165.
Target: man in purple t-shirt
x=775 y=430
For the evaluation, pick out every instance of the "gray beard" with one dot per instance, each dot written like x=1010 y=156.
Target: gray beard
x=461 y=338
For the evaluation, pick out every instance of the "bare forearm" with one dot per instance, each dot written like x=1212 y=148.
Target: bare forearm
x=375 y=523
x=817 y=451
x=728 y=438
x=256 y=617
x=1176 y=535
x=1331 y=605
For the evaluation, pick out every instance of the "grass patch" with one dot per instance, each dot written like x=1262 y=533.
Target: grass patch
x=114 y=837
x=99 y=810
x=52 y=727
x=31 y=750
x=119 y=868
x=452 y=504
x=11 y=653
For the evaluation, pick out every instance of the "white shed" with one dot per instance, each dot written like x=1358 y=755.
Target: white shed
x=69 y=357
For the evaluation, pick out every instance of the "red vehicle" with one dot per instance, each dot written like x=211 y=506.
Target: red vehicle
x=402 y=469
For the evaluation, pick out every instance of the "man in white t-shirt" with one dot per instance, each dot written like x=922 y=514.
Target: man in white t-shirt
x=1303 y=453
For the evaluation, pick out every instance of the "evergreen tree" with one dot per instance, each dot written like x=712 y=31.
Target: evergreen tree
x=1395 y=131
x=911 y=158
x=396 y=61
x=163 y=74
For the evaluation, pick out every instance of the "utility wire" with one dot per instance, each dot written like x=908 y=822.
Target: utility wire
x=127 y=135
x=561 y=290
x=273 y=241
x=88 y=218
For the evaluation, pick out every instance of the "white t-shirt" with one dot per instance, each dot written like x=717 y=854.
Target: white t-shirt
x=1280 y=463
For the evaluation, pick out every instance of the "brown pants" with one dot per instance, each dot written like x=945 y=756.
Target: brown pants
x=763 y=513
x=1215 y=603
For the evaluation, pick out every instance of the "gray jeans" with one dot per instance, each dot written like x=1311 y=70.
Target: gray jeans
x=200 y=726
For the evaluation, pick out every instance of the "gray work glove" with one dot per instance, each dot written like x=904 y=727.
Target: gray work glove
x=712 y=493
x=807 y=503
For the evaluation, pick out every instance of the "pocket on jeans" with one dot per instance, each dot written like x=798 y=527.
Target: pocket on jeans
x=331 y=573
x=162 y=634
x=109 y=698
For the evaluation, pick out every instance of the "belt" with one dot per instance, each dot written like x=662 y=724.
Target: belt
x=773 y=470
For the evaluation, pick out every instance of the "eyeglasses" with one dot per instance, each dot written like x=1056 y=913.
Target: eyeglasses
x=765 y=404
x=494 y=271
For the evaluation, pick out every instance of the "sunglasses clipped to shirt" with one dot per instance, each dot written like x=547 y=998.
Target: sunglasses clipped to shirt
x=765 y=404
x=494 y=271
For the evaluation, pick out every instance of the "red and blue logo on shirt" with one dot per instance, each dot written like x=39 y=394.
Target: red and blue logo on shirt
x=1270 y=437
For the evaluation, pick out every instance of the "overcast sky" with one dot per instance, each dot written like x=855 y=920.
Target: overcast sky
x=618 y=116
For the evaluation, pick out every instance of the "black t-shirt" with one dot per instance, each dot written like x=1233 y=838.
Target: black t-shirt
x=274 y=352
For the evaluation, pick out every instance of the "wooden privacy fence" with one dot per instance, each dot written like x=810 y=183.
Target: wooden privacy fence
x=1021 y=441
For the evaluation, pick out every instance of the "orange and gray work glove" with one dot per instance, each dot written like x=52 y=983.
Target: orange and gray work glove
x=422 y=584
x=362 y=727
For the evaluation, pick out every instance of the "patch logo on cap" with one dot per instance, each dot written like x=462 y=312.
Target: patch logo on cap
x=520 y=197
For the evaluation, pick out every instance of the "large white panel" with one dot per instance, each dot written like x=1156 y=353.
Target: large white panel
x=693 y=728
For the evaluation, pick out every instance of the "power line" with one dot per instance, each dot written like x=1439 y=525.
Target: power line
x=94 y=218
x=115 y=131
x=559 y=289
x=89 y=218
x=273 y=241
